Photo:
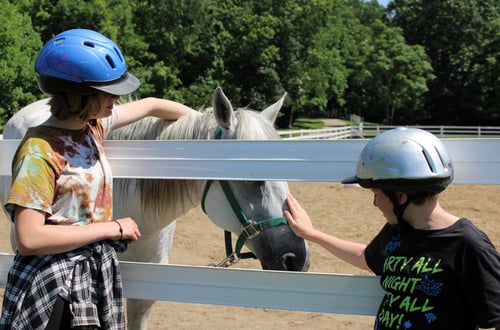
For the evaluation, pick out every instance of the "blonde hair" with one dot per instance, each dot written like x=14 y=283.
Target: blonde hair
x=65 y=106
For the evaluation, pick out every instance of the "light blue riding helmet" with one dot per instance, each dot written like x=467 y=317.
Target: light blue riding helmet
x=409 y=160
x=83 y=62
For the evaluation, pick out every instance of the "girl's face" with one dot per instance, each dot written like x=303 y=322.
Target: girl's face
x=106 y=104
x=384 y=204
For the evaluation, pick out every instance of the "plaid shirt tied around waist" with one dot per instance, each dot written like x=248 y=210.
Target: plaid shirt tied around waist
x=88 y=278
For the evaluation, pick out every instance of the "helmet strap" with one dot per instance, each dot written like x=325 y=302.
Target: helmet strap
x=399 y=209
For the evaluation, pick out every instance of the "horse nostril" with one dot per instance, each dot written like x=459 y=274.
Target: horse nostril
x=288 y=261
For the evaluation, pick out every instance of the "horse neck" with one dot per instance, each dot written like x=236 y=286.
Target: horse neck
x=169 y=196
x=178 y=196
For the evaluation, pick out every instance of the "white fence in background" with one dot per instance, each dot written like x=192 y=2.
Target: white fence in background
x=330 y=133
x=476 y=161
x=367 y=131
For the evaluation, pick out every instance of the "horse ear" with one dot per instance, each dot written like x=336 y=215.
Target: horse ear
x=223 y=110
x=272 y=111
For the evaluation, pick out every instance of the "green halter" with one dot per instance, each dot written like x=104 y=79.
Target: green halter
x=250 y=228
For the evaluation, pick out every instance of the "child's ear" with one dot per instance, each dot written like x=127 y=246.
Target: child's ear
x=402 y=197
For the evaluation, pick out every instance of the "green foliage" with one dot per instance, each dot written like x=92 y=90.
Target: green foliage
x=398 y=76
x=20 y=44
x=418 y=61
x=461 y=39
x=307 y=123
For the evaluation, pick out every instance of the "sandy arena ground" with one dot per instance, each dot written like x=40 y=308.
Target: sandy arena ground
x=345 y=212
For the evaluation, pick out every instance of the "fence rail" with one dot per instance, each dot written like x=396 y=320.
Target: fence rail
x=368 y=131
x=308 y=292
x=476 y=161
x=330 y=133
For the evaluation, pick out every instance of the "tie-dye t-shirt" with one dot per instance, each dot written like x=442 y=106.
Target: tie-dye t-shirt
x=63 y=173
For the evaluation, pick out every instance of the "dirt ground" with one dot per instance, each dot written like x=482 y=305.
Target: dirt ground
x=345 y=212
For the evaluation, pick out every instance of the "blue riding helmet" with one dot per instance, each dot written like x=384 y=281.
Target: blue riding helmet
x=83 y=62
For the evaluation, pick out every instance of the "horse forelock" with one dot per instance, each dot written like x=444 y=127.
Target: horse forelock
x=252 y=126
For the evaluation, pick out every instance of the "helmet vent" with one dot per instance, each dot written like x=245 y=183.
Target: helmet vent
x=117 y=51
x=110 y=62
x=89 y=44
x=428 y=162
x=441 y=158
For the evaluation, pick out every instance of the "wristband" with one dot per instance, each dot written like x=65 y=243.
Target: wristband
x=121 y=229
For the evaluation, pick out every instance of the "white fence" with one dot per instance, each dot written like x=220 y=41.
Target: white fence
x=366 y=131
x=330 y=133
x=476 y=161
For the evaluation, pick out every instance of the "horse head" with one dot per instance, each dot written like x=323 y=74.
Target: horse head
x=253 y=210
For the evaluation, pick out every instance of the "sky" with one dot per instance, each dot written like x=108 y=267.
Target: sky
x=383 y=2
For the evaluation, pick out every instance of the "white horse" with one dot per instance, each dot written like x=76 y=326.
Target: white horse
x=155 y=204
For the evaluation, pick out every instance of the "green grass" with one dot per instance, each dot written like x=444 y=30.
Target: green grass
x=307 y=123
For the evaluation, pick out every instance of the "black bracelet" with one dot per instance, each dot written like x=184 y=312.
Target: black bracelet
x=121 y=229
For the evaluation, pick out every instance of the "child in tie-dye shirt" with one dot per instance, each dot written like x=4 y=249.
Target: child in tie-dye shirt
x=65 y=273
x=64 y=173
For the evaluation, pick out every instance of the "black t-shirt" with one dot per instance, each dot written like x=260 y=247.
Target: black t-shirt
x=436 y=279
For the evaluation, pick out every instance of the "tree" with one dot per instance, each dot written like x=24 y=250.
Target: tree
x=175 y=33
x=461 y=40
x=313 y=38
x=398 y=78
x=388 y=77
x=333 y=57
x=20 y=45
x=112 y=18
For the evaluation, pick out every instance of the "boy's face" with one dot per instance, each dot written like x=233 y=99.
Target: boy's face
x=384 y=204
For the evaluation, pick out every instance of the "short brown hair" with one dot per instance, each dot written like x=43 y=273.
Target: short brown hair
x=415 y=198
x=65 y=106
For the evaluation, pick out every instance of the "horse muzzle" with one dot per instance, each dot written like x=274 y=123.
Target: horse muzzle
x=278 y=248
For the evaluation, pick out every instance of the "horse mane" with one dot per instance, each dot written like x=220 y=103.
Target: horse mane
x=198 y=126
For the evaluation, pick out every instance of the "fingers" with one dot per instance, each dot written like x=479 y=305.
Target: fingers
x=130 y=230
x=288 y=214
x=292 y=203
x=296 y=214
x=291 y=200
x=292 y=215
x=296 y=210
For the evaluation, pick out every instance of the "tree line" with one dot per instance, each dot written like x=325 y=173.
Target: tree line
x=414 y=62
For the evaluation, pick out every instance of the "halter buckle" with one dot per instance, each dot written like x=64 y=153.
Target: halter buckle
x=250 y=230
x=227 y=261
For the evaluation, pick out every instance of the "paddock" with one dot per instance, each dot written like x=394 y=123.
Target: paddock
x=297 y=161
